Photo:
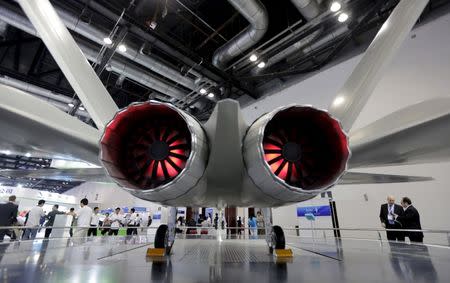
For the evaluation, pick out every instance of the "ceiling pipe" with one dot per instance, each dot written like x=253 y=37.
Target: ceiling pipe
x=308 y=8
x=151 y=39
x=117 y=66
x=74 y=23
x=255 y=12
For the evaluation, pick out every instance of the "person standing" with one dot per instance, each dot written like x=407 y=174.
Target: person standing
x=387 y=218
x=252 y=227
x=115 y=220
x=260 y=223
x=84 y=215
x=95 y=219
x=8 y=215
x=132 y=222
x=106 y=224
x=239 y=225
x=34 y=218
x=410 y=219
x=71 y=213
x=51 y=219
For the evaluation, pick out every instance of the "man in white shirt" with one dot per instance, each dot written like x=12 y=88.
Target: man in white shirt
x=34 y=219
x=116 y=220
x=132 y=222
x=83 y=215
x=95 y=219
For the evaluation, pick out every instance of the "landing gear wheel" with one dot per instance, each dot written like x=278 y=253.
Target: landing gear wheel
x=162 y=238
x=277 y=239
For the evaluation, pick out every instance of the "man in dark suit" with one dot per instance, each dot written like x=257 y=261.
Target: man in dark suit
x=410 y=219
x=387 y=218
x=8 y=215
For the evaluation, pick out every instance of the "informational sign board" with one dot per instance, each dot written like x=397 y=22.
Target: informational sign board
x=322 y=210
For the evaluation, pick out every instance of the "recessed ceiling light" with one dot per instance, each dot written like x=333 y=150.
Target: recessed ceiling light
x=253 y=58
x=342 y=17
x=107 y=40
x=122 y=48
x=81 y=108
x=261 y=64
x=338 y=101
x=27 y=154
x=335 y=6
x=70 y=105
x=202 y=91
x=211 y=95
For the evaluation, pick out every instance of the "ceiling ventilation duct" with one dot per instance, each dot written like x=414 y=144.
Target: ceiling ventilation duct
x=256 y=14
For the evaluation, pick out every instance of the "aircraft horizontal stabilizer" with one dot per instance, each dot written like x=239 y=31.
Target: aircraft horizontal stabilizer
x=416 y=134
x=36 y=126
x=355 y=178
x=73 y=174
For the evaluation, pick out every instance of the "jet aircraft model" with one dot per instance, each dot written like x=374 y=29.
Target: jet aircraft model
x=162 y=154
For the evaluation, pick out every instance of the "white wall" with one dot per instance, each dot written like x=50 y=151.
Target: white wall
x=421 y=71
x=109 y=196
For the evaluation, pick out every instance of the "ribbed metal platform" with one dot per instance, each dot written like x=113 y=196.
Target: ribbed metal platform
x=213 y=260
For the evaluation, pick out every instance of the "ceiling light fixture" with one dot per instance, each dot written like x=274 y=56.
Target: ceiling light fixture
x=107 y=40
x=82 y=108
x=202 y=91
x=261 y=64
x=342 y=17
x=122 y=48
x=335 y=6
x=70 y=105
x=27 y=154
x=253 y=58
x=211 y=95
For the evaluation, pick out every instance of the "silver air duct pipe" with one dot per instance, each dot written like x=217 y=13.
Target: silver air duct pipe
x=296 y=47
x=132 y=72
x=308 y=8
x=96 y=35
x=256 y=14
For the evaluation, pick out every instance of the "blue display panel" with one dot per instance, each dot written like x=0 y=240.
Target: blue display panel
x=323 y=210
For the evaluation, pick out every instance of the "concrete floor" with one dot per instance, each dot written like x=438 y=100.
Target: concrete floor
x=220 y=260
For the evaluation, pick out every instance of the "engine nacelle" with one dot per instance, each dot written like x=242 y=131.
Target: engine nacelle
x=155 y=150
x=295 y=152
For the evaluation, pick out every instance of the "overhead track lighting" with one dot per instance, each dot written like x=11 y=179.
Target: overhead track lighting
x=122 y=48
x=335 y=6
x=107 y=41
x=261 y=64
x=253 y=58
x=342 y=17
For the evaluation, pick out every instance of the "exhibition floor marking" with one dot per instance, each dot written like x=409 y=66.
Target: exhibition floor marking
x=317 y=253
x=132 y=249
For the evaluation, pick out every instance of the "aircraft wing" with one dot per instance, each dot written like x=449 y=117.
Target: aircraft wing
x=31 y=125
x=356 y=178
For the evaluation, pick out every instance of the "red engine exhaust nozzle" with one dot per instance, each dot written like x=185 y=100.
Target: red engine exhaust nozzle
x=305 y=147
x=146 y=145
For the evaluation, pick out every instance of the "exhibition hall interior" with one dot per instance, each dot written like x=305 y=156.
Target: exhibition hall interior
x=224 y=141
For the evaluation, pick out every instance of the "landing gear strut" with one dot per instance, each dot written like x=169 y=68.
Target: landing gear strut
x=165 y=235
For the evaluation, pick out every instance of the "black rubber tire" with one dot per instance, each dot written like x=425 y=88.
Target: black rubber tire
x=278 y=240
x=161 y=237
